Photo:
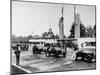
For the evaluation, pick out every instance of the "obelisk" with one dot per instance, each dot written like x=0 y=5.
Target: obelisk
x=61 y=28
x=77 y=23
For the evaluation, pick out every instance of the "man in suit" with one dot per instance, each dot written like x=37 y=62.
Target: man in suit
x=17 y=54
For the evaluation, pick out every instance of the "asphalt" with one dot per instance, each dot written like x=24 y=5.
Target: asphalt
x=40 y=63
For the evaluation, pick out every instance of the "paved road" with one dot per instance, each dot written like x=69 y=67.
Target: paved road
x=41 y=63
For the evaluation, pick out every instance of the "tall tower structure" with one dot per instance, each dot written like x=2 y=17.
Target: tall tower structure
x=77 y=23
x=61 y=25
x=61 y=28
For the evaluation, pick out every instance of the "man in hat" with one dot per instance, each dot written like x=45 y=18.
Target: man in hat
x=17 y=54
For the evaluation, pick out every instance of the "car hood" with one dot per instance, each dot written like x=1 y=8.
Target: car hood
x=88 y=50
x=58 y=48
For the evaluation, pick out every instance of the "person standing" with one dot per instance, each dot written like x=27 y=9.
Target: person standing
x=17 y=54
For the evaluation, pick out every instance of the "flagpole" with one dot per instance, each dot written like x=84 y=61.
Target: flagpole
x=62 y=10
x=74 y=13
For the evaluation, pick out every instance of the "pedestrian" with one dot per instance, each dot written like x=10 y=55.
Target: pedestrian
x=65 y=47
x=34 y=49
x=17 y=54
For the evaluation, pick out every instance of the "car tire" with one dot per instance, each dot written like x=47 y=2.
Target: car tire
x=89 y=59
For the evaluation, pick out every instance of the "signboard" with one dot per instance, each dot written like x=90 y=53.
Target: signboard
x=87 y=43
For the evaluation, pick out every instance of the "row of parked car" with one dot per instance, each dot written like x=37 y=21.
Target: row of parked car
x=22 y=47
x=50 y=50
x=56 y=51
x=87 y=55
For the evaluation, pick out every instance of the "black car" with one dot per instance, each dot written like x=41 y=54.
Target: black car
x=24 y=47
x=84 y=55
x=56 y=51
x=37 y=49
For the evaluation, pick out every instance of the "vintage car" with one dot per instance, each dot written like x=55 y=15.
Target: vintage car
x=86 y=50
x=42 y=49
x=84 y=55
x=24 y=47
x=37 y=49
x=13 y=47
x=56 y=51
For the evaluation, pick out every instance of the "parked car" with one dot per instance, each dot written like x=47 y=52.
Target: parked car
x=56 y=51
x=37 y=49
x=13 y=47
x=24 y=47
x=84 y=55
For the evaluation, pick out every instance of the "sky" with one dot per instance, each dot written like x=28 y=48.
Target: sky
x=36 y=18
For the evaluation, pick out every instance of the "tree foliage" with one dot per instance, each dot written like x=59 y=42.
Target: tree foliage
x=45 y=34
x=94 y=30
x=91 y=31
x=82 y=30
x=72 y=31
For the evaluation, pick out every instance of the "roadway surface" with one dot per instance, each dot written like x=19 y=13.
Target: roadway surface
x=41 y=63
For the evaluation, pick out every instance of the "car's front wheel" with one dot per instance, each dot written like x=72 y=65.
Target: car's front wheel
x=89 y=58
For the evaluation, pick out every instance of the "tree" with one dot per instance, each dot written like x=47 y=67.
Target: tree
x=94 y=30
x=13 y=38
x=45 y=34
x=56 y=36
x=89 y=31
x=82 y=31
x=72 y=31
x=29 y=37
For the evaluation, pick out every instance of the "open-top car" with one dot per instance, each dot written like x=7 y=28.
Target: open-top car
x=84 y=55
x=86 y=50
x=24 y=47
x=56 y=51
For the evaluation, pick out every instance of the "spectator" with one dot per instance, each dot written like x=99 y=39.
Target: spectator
x=17 y=54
